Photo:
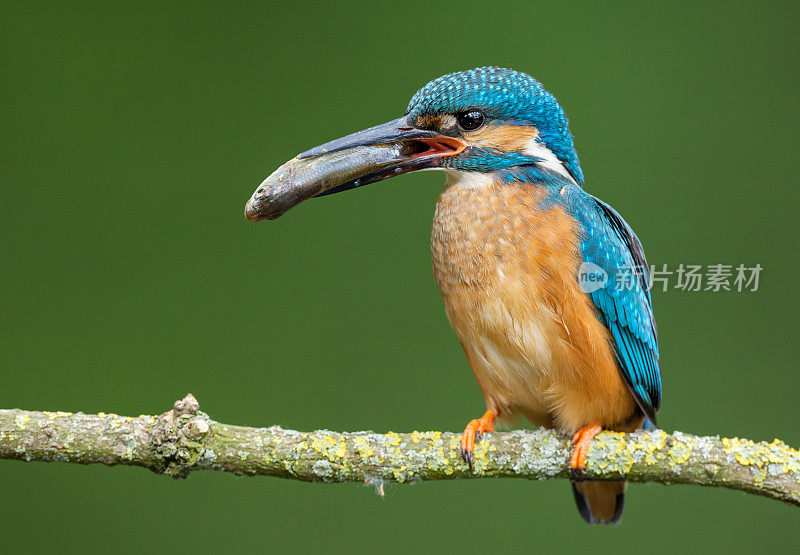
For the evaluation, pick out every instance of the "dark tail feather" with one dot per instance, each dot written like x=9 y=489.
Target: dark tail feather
x=600 y=502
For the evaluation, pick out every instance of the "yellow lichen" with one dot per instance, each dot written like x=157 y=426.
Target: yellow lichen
x=652 y=446
x=341 y=450
x=726 y=445
x=363 y=447
x=320 y=443
x=399 y=473
x=22 y=421
x=454 y=443
x=761 y=455
x=608 y=451
x=479 y=453
x=54 y=415
x=680 y=452
x=393 y=438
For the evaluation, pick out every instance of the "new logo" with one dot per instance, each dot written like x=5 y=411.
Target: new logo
x=591 y=277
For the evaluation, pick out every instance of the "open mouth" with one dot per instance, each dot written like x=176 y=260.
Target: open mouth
x=441 y=146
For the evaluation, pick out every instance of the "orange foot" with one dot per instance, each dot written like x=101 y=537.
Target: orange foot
x=581 y=441
x=473 y=432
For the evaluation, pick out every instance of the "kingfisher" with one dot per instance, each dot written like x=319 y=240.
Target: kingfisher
x=514 y=236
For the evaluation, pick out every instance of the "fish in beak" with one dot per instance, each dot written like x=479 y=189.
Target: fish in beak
x=364 y=157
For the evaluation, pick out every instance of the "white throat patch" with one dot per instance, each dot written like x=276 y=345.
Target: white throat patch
x=470 y=180
x=548 y=159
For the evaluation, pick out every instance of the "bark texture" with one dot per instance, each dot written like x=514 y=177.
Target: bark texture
x=184 y=439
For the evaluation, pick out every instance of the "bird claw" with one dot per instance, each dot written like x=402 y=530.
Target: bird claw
x=468 y=457
x=472 y=433
x=581 y=441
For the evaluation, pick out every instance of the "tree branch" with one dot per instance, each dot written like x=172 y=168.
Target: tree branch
x=185 y=439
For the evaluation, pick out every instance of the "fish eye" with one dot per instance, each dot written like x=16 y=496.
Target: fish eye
x=469 y=121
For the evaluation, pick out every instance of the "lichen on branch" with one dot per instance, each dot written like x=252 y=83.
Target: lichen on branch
x=184 y=439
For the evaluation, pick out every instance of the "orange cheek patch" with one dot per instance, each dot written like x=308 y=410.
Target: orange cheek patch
x=509 y=138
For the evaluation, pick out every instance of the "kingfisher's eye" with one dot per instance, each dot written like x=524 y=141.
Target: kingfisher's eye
x=470 y=120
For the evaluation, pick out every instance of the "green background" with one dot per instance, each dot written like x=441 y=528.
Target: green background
x=134 y=133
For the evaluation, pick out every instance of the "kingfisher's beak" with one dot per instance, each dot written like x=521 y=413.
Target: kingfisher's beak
x=368 y=156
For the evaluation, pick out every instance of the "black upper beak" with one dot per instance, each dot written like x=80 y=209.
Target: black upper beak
x=364 y=157
x=390 y=132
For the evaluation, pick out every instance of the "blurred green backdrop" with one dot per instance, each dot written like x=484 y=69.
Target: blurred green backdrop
x=134 y=133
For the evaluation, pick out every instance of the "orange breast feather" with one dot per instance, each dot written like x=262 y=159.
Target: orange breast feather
x=506 y=269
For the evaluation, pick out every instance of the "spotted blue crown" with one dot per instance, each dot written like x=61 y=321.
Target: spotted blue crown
x=505 y=95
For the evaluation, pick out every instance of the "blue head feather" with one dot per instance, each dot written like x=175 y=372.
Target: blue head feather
x=504 y=95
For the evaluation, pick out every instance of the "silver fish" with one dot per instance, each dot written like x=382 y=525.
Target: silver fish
x=300 y=179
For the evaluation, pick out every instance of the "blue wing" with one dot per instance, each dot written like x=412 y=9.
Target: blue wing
x=624 y=308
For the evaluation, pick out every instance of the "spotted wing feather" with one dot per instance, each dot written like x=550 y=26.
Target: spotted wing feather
x=624 y=305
